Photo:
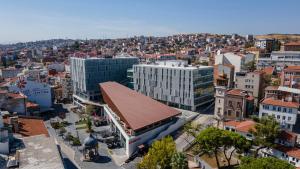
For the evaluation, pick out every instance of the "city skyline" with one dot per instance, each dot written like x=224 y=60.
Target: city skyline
x=118 y=19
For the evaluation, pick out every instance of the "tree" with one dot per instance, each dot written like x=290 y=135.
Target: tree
x=265 y=133
x=159 y=155
x=209 y=142
x=213 y=141
x=191 y=130
x=251 y=66
x=234 y=142
x=262 y=163
x=179 y=161
x=89 y=125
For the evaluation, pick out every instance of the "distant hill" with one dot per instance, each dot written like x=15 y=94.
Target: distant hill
x=283 y=37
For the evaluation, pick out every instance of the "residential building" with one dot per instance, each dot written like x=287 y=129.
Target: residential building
x=175 y=83
x=67 y=87
x=4 y=138
x=88 y=72
x=10 y=72
x=292 y=46
x=284 y=111
x=137 y=119
x=13 y=102
x=268 y=44
x=252 y=82
x=241 y=127
x=37 y=92
x=290 y=77
x=238 y=60
x=280 y=59
x=285 y=148
x=224 y=69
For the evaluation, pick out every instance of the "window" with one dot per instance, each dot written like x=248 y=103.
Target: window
x=278 y=117
x=278 y=108
x=283 y=117
x=289 y=118
x=290 y=110
x=274 y=108
x=237 y=114
x=229 y=112
x=284 y=109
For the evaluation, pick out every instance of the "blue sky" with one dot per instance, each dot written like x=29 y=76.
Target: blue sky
x=29 y=20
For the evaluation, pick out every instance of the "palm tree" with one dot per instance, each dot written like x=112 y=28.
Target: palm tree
x=179 y=161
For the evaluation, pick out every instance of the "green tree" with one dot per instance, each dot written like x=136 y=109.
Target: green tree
x=251 y=66
x=233 y=142
x=265 y=133
x=159 y=155
x=89 y=125
x=209 y=141
x=179 y=161
x=264 y=163
x=213 y=141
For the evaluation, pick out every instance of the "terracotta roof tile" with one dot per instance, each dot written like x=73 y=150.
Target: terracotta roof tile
x=291 y=151
x=271 y=101
x=242 y=126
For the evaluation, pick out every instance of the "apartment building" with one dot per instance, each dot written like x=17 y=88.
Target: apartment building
x=10 y=72
x=175 y=83
x=268 y=44
x=280 y=59
x=290 y=77
x=284 y=111
x=252 y=82
x=292 y=46
x=238 y=60
x=88 y=72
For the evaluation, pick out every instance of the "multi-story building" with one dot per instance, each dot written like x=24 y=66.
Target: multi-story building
x=238 y=60
x=290 y=77
x=280 y=59
x=224 y=69
x=268 y=44
x=10 y=72
x=67 y=88
x=175 y=83
x=4 y=139
x=252 y=82
x=13 y=102
x=88 y=72
x=284 y=111
x=292 y=46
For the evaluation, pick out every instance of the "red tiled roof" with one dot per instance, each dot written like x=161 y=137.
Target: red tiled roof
x=268 y=70
x=291 y=151
x=292 y=44
x=236 y=92
x=31 y=105
x=287 y=135
x=16 y=95
x=290 y=68
x=30 y=126
x=274 y=102
x=135 y=109
x=242 y=126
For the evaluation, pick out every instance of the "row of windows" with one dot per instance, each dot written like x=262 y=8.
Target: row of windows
x=277 y=108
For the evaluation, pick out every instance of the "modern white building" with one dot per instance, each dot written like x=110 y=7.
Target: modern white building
x=280 y=59
x=236 y=59
x=285 y=112
x=175 y=83
x=88 y=72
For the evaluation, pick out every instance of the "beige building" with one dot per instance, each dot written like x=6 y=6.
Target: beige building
x=252 y=82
